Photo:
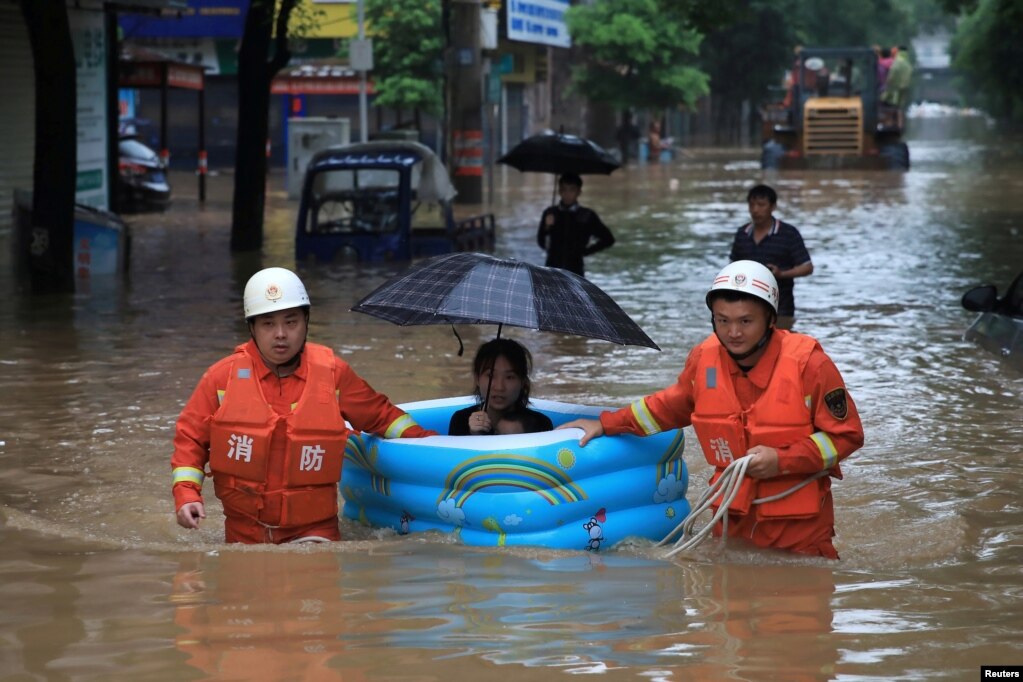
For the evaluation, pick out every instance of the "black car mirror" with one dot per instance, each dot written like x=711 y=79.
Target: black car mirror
x=980 y=299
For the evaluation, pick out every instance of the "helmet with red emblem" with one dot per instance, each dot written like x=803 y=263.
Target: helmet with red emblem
x=746 y=277
x=273 y=289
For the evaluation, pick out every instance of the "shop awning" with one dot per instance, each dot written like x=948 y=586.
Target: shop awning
x=142 y=68
x=318 y=79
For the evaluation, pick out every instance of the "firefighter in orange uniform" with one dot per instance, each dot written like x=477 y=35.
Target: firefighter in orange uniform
x=753 y=390
x=269 y=423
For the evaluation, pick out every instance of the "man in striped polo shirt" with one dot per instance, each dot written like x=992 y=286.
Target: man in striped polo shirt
x=774 y=244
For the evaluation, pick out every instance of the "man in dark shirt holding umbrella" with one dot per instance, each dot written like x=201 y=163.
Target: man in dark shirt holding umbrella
x=568 y=231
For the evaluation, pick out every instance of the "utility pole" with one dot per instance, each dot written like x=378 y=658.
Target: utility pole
x=363 y=116
x=465 y=85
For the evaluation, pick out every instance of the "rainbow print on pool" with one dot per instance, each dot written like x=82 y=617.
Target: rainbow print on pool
x=528 y=489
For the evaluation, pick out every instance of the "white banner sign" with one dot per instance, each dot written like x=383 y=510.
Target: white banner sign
x=539 y=21
x=91 y=87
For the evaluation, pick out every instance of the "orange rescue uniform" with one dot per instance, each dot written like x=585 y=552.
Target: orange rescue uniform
x=793 y=400
x=275 y=445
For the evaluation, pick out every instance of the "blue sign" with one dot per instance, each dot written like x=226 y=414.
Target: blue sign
x=539 y=21
x=201 y=19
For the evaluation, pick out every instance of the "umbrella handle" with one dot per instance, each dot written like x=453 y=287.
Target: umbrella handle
x=461 y=346
x=486 y=398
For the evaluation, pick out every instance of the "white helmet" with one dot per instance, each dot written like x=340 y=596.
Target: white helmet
x=747 y=277
x=814 y=64
x=273 y=289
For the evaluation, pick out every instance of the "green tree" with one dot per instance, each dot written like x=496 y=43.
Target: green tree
x=851 y=23
x=704 y=16
x=745 y=59
x=987 y=52
x=636 y=54
x=407 y=49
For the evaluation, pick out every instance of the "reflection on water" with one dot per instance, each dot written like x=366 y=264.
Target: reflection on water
x=101 y=584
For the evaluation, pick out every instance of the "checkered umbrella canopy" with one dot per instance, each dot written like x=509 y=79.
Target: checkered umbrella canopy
x=474 y=288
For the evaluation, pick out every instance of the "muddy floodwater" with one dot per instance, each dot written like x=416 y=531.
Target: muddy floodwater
x=97 y=581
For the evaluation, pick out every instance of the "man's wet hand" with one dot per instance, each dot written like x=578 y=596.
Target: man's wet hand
x=592 y=428
x=763 y=462
x=190 y=514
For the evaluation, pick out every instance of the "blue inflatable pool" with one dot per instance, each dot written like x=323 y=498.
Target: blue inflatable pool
x=528 y=489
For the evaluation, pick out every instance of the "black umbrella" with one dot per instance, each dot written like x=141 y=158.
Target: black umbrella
x=560 y=153
x=474 y=288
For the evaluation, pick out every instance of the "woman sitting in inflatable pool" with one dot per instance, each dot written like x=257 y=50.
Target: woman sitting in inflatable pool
x=525 y=489
x=501 y=380
x=537 y=487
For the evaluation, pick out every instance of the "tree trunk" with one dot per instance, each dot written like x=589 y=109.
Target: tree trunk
x=49 y=247
x=256 y=70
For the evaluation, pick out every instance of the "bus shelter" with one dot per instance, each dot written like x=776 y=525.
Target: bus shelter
x=146 y=69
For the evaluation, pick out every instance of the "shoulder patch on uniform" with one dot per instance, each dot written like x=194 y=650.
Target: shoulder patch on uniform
x=837 y=404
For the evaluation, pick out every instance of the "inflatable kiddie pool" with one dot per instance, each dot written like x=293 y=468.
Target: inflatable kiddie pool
x=526 y=489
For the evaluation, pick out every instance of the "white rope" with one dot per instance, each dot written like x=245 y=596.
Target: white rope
x=728 y=484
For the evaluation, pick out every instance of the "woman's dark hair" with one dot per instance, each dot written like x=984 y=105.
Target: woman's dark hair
x=518 y=357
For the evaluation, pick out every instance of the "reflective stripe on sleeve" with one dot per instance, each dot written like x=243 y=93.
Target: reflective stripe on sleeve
x=188 y=475
x=644 y=418
x=399 y=426
x=829 y=454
